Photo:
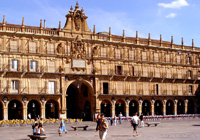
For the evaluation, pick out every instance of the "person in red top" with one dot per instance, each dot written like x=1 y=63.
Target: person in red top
x=98 y=121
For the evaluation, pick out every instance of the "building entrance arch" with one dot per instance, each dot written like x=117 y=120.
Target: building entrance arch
x=51 y=109
x=190 y=107
x=14 y=110
x=169 y=107
x=133 y=107
x=180 y=107
x=79 y=100
x=34 y=109
x=106 y=108
x=120 y=107
x=146 y=107
x=158 y=107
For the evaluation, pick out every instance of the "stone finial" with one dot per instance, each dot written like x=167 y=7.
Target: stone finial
x=160 y=38
x=136 y=34
x=82 y=10
x=192 y=42
x=172 y=41
x=4 y=21
x=149 y=36
x=94 y=29
x=77 y=6
x=71 y=9
x=109 y=31
x=40 y=23
x=182 y=43
x=44 y=23
x=123 y=33
x=59 y=25
x=22 y=21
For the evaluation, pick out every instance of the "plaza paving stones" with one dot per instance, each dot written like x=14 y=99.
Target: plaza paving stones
x=185 y=129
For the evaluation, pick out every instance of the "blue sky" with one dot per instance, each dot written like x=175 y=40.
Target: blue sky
x=177 y=18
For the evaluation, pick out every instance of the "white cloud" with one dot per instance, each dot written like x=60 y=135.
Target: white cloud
x=174 y=4
x=171 y=15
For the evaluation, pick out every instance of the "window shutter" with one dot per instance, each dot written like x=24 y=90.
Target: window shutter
x=37 y=66
x=28 y=65
x=18 y=65
x=18 y=85
x=56 y=90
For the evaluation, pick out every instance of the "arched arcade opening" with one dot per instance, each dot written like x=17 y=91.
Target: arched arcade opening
x=106 y=108
x=34 y=109
x=133 y=107
x=51 y=109
x=15 y=110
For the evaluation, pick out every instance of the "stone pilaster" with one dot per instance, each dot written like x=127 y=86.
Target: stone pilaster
x=140 y=107
x=164 y=107
x=186 y=106
x=152 y=107
x=113 y=108
x=175 y=107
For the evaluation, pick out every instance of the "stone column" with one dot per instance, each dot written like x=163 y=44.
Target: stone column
x=5 y=111
x=140 y=106
x=127 y=108
x=113 y=108
x=164 y=107
x=25 y=111
x=175 y=107
x=186 y=106
x=43 y=109
x=152 y=107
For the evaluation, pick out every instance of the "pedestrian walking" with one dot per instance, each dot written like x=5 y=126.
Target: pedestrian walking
x=111 y=121
x=98 y=121
x=103 y=128
x=62 y=127
x=120 y=118
x=141 y=120
x=135 y=121
x=115 y=120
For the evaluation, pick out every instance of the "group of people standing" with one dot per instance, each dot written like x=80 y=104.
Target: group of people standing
x=38 y=128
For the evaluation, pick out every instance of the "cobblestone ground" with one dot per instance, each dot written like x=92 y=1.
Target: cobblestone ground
x=185 y=129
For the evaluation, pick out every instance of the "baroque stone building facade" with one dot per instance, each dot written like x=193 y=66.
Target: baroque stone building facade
x=73 y=72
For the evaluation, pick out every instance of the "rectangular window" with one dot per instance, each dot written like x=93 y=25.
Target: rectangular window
x=14 y=64
x=13 y=46
x=50 y=48
x=190 y=89
x=157 y=89
x=119 y=70
x=105 y=88
x=133 y=71
x=32 y=47
x=15 y=85
x=51 y=87
x=117 y=54
x=103 y=52
x=33 y=65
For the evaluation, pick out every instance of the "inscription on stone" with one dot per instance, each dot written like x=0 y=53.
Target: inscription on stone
x=78 y=63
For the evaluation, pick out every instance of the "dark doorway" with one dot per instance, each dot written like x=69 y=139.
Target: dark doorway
x=105 y=108
x=158 y=107
x=133 y=107
x=51 y=109
x=87 y=111
x=33 y=109
x=198 y=107
x=14 y=110
x=190 y=107
x=146 y=108
x=180 y=107
x=119 y=107
x=73 y=103
x=169 y=107
x=1 y=111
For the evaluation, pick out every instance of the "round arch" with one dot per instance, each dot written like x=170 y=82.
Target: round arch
x=169 y=107
x=34 y=108
x=180 y=107
x=158 y=107
x=51 y=109
x=15 y=109
x=146 y=105
x=120 y=107
x=79 y=99
x=133 y=107
x=106 y=108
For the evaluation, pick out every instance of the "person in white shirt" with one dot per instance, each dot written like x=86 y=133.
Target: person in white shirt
x=135 y=121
